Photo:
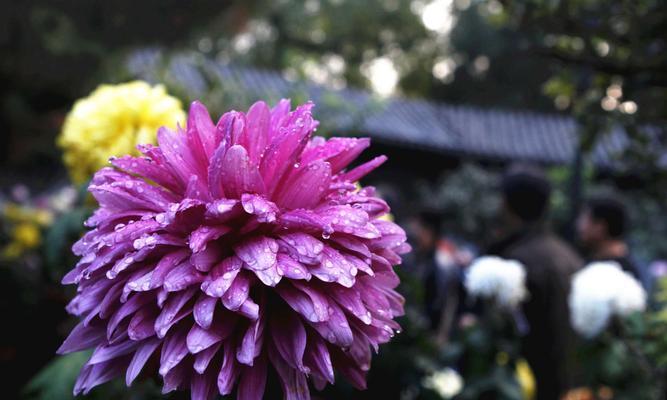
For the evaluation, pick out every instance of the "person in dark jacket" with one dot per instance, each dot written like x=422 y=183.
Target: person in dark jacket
x=424 y=228
x=549 y=262
x=601 y=227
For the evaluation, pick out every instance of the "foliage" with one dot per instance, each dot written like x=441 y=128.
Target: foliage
x=468 y=200
x=329 y=41
x=607 y=69
x=486 y=351
x=57 y=379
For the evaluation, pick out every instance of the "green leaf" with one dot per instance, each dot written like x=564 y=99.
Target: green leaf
x=56 y=379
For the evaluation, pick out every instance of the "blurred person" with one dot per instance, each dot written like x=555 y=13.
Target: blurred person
x=424 y=228
x=549 y=262
x=601 y=227
x=452 y=255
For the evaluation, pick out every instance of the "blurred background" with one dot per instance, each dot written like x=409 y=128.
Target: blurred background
x=453 y=91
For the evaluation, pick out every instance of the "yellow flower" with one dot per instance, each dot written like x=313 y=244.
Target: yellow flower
x=27 y=234
x=16 y=213
x=526 y=379
x=502 y=358
x=24 y=236
x=111 y=122
x=387 y=217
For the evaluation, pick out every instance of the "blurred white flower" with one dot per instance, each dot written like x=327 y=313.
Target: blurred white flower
x=446 y=382
x=63 y=199
x=600 y=291
x=631 y=298
x=497 y=279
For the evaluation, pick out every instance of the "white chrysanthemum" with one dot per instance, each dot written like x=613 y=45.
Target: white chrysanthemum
x=600 y=291
x=631 y=298
x=446 y=382
x=497 y=279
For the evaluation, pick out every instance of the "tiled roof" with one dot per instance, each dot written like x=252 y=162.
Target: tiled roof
x=455 y=129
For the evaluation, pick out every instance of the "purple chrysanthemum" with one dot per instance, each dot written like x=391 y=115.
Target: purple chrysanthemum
x=233 y=248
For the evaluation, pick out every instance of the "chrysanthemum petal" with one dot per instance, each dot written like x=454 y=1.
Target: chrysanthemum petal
x=289 y=337
x=229 y=371
x=203 y=358
x=307 y=302
x=143 y=353
x=295 y=386
x=339 y=152
x=305 y=187
x=256 y=135
x=253 y=381
x=201 y=127
x=259 y=255
x=239 y=175
x=81 y=337
x=237 y=293
x=318 y=358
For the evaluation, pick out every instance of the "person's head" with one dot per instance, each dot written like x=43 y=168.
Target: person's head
x=601 y=219
x=525 y=193
x=425 y=228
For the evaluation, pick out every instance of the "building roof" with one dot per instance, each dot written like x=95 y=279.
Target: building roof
x=492 y=133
